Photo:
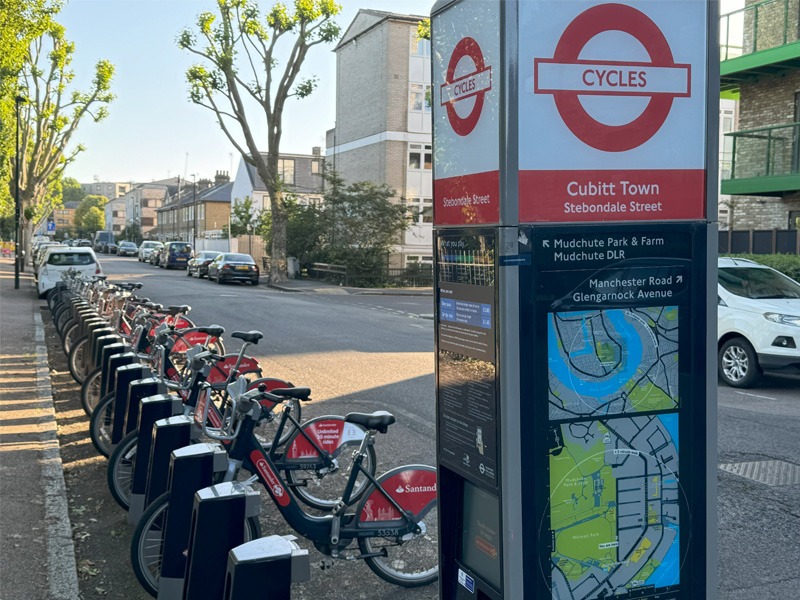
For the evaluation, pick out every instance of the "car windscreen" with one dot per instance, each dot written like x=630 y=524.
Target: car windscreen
x=757 y=284
x=70 y=259
x=245 y=258
x=179 y=248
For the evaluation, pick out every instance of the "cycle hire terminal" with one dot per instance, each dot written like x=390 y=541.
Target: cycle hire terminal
x=575 y=186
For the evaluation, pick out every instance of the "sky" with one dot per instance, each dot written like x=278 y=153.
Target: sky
x=153 y=130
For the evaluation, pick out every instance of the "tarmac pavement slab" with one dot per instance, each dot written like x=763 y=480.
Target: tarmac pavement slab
x=38 y=559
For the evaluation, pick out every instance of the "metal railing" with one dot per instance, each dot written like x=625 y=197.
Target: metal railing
x=766 y=151
x=760 y=26
x=411 y=276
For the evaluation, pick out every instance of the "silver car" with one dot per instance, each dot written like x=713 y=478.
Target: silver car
x=147 y=248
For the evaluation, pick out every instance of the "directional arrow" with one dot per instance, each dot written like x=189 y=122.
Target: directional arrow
x=679 y=278
x=545 y=243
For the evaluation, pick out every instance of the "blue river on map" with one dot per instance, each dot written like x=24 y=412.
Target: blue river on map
x=594 y=387
x=668 y=572
x=670 y=423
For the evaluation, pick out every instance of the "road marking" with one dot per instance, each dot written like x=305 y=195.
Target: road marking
x=756 y=396
x=769 y=472
x=62 y=573
x=229 y=295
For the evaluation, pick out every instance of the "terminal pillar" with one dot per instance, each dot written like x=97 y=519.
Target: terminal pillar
x=277 y=559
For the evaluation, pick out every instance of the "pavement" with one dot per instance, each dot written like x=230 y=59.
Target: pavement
x=323 y=287
x=38 y=556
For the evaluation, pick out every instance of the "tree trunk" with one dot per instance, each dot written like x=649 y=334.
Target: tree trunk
x=278 y=271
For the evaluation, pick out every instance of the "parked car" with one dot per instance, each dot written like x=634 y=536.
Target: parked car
x=174 y=254
x=127 y=249
x=231 y=266
x=58 y=259
x=101 y=240
x=84 y=243
x=38 y=252
x=155 y=255
x=758 y=322
x=198 y=265
x=110 y=247
x=147 y=248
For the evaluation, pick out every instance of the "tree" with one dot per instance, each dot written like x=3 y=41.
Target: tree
x=94 y=220
x=83 y=209
x=22 y=22
x=51 y=116
x=238 y=40
x=71 y=190
x=131 y=233
x=244 y=217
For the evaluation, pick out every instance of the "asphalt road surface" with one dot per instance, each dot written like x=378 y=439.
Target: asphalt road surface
x=365 y=353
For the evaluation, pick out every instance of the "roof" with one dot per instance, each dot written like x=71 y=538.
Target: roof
x=220 y=192
x=367 y=19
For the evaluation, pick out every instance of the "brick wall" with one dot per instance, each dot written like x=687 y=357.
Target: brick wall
x=763 y=212
x=217 y=214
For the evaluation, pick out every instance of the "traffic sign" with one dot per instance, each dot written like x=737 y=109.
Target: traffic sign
x=51 y=227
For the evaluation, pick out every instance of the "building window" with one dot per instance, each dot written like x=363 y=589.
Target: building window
x=415 y=260
x=115 y=214
x=148 y=221
x=726 y=154
x=201 y=212
x=286 y=170
x=315 y=166
x=420 y=157
x=419 y=47
x=421 y=210
x=420 y=98
x=794 y=219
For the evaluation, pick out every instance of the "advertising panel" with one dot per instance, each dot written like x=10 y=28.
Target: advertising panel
x=612 y=111
x=466 y=97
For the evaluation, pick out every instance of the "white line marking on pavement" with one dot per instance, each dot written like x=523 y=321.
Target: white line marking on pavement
x=756 y=396
x=229 y=295
x=62 y=573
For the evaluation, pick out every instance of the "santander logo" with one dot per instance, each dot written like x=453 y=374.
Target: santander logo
x=416 y=489
x=273 y=483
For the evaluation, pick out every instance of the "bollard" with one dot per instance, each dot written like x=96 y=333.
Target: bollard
x=151 y=409
x=138 y=389
x=270 y=565
x=109 y=380
x=191 y=468
x=168 y=435
x=105 y=357
x=125 y=375
x=218 y=523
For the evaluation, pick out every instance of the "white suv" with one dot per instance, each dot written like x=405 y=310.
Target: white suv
x=58 y=259
x=146 y=249
x=758 y=317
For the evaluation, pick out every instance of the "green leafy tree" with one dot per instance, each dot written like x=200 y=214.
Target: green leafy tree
x=79 y=217
x=95 y=219
x=51 y=117
x=21 y=21
x=132 y=233
x=244 y=217
x=305 y=231
x=241 y=69
x=71 y=190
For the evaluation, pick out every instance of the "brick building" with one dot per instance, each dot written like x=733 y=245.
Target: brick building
x=143 y=202
x=301 y=173
x=760 y=53
x=195 y=210
x=115 y=216
x=110 y=189
x=383 y=118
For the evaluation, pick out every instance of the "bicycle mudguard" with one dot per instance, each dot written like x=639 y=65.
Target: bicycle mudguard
x=184 y=341
x=413 y=487
x=330 y=433
x=221 y=370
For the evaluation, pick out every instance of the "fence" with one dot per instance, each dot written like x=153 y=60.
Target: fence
x=756 y=241
x=414 y=276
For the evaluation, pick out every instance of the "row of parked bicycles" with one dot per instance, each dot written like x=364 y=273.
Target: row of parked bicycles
x=147 y=371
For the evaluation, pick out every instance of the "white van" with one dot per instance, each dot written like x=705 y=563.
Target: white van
x=758 y=320
x=59 y=259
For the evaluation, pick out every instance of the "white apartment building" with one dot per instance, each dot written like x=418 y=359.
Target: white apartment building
x=383 y=118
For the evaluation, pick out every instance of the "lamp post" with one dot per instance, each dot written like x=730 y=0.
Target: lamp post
x=194 y=209
x=17 y=101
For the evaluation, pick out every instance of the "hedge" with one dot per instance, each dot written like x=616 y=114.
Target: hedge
x=788 y=264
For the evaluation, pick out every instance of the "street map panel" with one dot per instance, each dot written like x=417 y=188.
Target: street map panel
x=614 y=509
x=612 y=362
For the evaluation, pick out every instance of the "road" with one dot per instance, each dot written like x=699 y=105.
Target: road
x=375 y=352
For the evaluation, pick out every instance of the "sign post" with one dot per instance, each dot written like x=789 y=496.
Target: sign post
x=574 y=208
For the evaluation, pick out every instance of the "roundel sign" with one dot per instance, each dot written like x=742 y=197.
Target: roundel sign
x=567 y=77
x=464 y=89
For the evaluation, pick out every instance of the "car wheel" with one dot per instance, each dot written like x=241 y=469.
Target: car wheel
x=219 y=279
x=738 y=363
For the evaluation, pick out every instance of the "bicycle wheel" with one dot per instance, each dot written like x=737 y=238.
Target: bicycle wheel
x=411 y=560
x=61 y=316
x=120 y=469
x=322 y=488
x=148 y=538
x=90 y=391
x=77 y=357
x=100 y=425
x=71 y=331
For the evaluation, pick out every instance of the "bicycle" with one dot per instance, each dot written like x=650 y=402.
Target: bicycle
x=395 y=523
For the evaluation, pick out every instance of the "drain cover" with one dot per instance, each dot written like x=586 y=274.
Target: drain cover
x=769 y=472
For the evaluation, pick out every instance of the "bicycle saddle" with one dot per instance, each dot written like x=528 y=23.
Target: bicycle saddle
x=300 y=393
x=378 y=421
x=251 y=337
x=176 y=310
x=212 y=330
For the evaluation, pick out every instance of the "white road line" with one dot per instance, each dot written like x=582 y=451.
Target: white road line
x=62 y=573
x=756 y=396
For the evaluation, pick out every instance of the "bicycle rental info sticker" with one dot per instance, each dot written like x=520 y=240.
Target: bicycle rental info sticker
x=612 y=116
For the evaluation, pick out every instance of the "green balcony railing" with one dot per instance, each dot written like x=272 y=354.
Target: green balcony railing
x=761 y=26
x=765 y=152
